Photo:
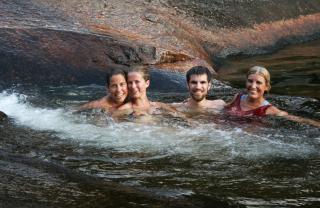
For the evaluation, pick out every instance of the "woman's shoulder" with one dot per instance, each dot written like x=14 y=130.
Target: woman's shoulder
x=272 y=110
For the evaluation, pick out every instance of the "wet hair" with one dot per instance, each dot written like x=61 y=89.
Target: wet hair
x=141 y=69
x=199 y=70
x=113 y=72
x=262 y=72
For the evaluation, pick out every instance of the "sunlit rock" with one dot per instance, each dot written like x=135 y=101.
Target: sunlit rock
x=60 y=41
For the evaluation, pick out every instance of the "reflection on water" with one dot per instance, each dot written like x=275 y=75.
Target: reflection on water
x=55 y=158
x=294 y=70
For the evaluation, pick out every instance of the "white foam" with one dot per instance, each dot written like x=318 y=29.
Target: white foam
x=204 y=141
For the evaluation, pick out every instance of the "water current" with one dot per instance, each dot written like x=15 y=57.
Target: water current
x=53 y=157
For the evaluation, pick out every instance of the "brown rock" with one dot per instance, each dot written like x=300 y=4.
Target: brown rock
x=76 y=41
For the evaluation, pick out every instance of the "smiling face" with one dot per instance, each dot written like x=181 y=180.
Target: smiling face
x=137 y=85
x=198 y=87
x=256 y=86
x=118 y=89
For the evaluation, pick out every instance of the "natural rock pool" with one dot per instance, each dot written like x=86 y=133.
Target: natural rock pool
x=51 y=157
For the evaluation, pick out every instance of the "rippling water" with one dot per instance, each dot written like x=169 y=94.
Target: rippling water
x=55 y=158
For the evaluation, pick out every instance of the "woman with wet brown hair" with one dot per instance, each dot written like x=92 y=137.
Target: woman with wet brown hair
x=116 y=87
x=138 y=80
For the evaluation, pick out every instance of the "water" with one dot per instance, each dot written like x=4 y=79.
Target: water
x=52 y=157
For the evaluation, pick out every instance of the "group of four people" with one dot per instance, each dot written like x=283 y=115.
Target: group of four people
x=127 y=95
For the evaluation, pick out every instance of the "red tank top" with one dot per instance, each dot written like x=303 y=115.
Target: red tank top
x=235 y=109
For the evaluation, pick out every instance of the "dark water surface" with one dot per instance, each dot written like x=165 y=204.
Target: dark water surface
x=51 y=157
x=295 y=70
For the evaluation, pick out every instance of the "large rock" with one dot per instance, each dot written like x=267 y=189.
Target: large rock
x=76 y=41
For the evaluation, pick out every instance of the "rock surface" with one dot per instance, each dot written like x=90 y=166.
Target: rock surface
x=76 y=41
x=3 y=116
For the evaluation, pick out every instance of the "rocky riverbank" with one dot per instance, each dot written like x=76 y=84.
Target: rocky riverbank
x=77 y=41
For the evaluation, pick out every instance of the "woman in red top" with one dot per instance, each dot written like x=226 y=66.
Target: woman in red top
x=253 y=103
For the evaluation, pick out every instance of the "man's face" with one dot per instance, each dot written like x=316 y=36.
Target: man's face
x=198 y=87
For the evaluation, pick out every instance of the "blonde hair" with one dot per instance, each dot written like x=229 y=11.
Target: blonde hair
x=141 y=69
x=262 y=72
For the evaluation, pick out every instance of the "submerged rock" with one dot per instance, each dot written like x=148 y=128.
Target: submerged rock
x=60 y=41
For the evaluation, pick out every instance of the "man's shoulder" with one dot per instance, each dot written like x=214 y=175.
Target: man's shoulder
x=216 y=103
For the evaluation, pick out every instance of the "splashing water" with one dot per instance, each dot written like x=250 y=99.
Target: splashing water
x=99 y=129
x=217 y=157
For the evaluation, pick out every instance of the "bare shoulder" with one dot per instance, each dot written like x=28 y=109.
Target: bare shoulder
x=125 y=106
x=184 y=103
x=159 y=105
x=272 y=110
x=100 y=103
x=156 y=104
x=164 y=106
x=178 y=107
x=231 y=101
x=218 y=104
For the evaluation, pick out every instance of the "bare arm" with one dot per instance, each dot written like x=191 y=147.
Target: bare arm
x=275 y=111
x=272 y=110
x=175 y=113
x=233 y=99
x=218 y=104
x=89 y=105
x=166 y=107
x=123 y=110
x=303 y=120
x=101 y=103
x=171 y=109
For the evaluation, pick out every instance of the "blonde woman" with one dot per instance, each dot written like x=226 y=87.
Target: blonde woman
x=253 y=103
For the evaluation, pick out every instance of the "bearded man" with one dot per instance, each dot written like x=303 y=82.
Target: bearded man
x=199 y=84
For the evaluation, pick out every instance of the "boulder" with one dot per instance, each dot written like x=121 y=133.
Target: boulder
x=77 y=41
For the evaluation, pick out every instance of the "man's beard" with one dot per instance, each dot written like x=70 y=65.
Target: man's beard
x=197 y=98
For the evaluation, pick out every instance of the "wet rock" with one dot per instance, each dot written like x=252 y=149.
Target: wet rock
x=185 y=27
x=151 y=17
x=167 y=81
x=56 y=57
x=3 y=116
x=57 y=42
